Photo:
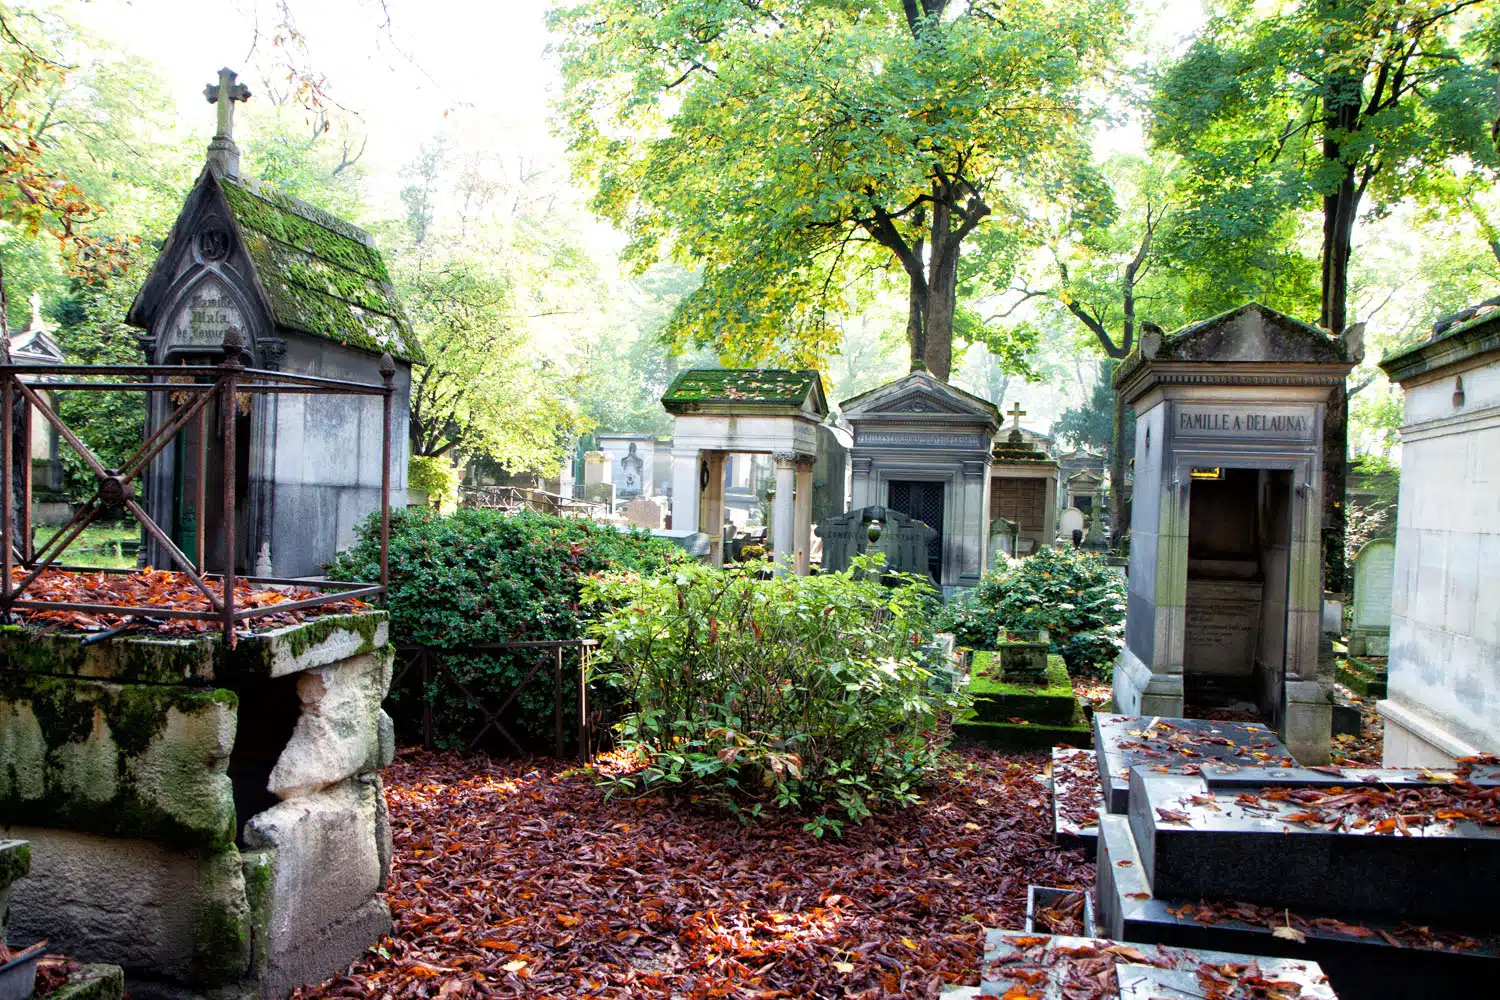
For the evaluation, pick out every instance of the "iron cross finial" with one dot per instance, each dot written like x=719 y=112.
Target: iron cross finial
x=224 y=94
x=1016 y=413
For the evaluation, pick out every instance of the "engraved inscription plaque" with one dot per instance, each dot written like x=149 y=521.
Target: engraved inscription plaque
x=1248 y=423
x=204 y=317
x=1223 y=623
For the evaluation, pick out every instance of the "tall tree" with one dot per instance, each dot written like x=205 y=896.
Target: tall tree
x=1342 y=106
x=1134 y=244
x=790 y=148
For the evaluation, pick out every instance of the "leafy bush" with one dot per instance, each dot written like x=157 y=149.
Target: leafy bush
x=803 y=693
x=1074 y=595
x=478 y=576
x=752 y=553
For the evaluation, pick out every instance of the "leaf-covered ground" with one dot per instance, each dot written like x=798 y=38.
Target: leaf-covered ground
x=517 y=879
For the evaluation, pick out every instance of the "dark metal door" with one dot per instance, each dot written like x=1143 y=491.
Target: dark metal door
x=923 y=501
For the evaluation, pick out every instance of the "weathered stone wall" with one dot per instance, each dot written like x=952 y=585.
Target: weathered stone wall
x=202 y=849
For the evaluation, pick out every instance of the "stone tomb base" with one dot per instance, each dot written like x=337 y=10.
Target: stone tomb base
x=213 y=822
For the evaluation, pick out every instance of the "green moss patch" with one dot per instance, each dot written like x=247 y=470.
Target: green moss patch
x=15 y=862
x=133 y=660
x=91 y=982
x=322 y=275
x=741 y=385
x=1052 y=703
x=1362 y=677
x=1023 y=736
x=133 y=760
x=258 y=656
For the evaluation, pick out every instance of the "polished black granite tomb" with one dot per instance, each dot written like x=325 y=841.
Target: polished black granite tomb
x=1231 y=859
x=1175 y=746
x=1075 y=794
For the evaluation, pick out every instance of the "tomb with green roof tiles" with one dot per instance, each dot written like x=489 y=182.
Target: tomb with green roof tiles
x=309 y=294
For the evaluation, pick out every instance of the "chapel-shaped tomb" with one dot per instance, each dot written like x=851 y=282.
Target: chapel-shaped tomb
x=1225 y=582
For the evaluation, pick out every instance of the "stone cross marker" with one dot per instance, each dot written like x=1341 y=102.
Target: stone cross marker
x=1374 y=578
x=222 y=152
x=1015 y=413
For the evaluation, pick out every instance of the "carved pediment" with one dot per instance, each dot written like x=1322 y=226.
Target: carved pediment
x=920 y=393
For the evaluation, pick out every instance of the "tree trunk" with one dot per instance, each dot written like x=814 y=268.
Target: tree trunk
x=942 y=293
x=916 y=316
x=1341 y=104
x=1119 y=513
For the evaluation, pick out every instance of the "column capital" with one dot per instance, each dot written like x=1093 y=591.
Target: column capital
x=806 y=462
x=785 y=457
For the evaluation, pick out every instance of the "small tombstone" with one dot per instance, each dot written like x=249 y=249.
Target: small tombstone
x=645 y=514
x=1097 y=538
x=1069 y=521
x=595 y=468
x=632 y=468
x=1002 y=540
x=1374 y=577
x=901 y=537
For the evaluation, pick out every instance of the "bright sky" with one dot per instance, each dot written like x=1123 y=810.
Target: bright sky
x=441 y=62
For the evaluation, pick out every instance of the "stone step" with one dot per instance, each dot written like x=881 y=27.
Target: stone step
x=1252 y=836
x=1175 y=746
x=1056 y=967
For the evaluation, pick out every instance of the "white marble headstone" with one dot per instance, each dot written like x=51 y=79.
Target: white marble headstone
x=1374 y=574
x=1069 y=521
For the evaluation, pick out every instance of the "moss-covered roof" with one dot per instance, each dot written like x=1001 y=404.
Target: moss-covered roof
x=744 y=385
x=1479 y=334
x=322 y=275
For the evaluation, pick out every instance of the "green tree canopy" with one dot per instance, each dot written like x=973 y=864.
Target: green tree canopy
x=792 y=149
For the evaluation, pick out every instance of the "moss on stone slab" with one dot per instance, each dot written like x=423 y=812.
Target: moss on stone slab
x=984 y=682
x=258 y=656
x=134 y=760
x=973 y=730
x=134 y=659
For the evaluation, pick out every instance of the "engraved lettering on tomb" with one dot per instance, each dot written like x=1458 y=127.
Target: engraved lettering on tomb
x=204 y=319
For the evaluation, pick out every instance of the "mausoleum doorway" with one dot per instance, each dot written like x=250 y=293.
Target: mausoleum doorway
x=1239 y=542
x=923 y=501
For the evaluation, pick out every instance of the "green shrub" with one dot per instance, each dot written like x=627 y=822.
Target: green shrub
x=1074 y=595
x=752 y=553
x=479 y=576
x=800 y=693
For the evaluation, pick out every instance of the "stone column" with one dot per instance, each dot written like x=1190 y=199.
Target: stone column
x=685 y=489
x=861 y=491
x=783 y=513
x=711 y=506
x=974 y=525
x=803 y=524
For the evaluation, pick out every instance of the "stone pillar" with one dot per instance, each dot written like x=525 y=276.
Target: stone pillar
x=803 y=524
x=974 y=522
x=711 y=506
x=862 y=491
x=685 y=489
x=783 y=512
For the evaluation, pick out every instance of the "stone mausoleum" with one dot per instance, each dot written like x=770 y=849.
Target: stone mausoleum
x=1225 y=583
x=310 y=295
x=922 y=447
x=1443 y=675
x=746 y=411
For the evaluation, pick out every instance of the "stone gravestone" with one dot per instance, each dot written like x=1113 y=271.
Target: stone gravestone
x=903 y=539
x=1069 y=521
x=645 y=514
x=1374 y=577
x=633 y=476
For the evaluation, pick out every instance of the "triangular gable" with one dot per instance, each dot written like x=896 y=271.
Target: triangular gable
x=35 y=347
x=918 y=393
x=1251 y=333
x=272 y=261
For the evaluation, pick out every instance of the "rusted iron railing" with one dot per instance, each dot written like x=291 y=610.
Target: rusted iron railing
x=430 y=661
x=197 y=385
x=512 y=498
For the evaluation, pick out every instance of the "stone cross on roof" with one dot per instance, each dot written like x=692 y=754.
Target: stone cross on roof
x=1016 y=413
x=222 y=152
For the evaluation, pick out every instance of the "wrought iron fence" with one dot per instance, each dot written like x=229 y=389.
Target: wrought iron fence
x=195 y=386
x=432 y=664
x=513 y=498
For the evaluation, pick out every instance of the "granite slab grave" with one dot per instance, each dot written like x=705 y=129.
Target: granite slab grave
x=1056 y=967
x=1175 y=746
x=1419 y=844
x=1382 y=957
x=1077 y=799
